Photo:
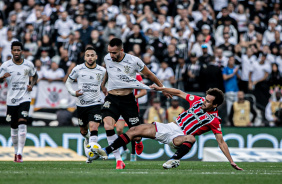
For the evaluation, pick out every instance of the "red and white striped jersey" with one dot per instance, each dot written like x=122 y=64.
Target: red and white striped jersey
x=195 y=121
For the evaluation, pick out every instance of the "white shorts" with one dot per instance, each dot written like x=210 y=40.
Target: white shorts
x=165 y=133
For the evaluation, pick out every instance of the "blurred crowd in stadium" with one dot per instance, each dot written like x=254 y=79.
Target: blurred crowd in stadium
x=192 y=45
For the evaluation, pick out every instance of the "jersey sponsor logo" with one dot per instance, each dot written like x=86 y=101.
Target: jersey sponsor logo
x=97 y=117
x=13 y=100
x=8 y=118
x=107 y=104
x=24 y=113
x=191 y=97
x=126 y=69
x=98 y=76
x=125 y=78
x=133 y=121
x=82 y=101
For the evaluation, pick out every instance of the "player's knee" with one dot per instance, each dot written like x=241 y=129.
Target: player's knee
x=109 y=124
x=190 y=138
x=133 y=131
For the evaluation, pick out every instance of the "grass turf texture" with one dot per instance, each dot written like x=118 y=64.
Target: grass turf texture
x=140 y=172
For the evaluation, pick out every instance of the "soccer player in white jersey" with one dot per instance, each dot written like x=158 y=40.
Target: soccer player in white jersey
x=21 y=76
x=89 y=77
x=121 y=71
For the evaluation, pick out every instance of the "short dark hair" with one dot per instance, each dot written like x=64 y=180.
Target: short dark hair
x=90 y=48
x=116 y=42
x=16 y=43
x=218 y=95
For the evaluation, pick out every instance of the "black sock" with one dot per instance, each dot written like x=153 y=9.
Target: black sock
x=124 y=147
x=132 y=147
x=94 y=132
x=183 y=149
x=110 y=132
x=123 y=139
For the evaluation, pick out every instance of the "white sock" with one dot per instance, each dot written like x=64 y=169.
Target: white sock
x=93 y=138
x=14 y=135
x=22 y=138
x=116 y=153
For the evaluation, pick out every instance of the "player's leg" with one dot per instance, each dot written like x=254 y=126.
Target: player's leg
x=183 y=145
x=22 y=128
x=94 y=118
x=144 y=130
x=131 y=116
x=110 y=114
x=12 y=119
x=119 y=128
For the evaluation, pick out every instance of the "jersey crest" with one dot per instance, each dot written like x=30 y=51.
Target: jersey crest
x=126 y=69
x=98 y=75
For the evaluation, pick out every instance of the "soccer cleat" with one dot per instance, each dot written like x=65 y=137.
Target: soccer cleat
x=88 y=161
x=19 y=159
x=133 y=158
x=139 y=148
x=15 y=159
x=120 y=164
x=101 y=152
x=171 y=164
x=124 y=154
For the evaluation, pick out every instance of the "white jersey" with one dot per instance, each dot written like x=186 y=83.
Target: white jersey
x=123 y=74
x=89 y=81
x=18 y=81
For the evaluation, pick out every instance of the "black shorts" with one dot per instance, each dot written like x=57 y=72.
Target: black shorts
x=14 y=113
x=126 y=106
x=90 y=113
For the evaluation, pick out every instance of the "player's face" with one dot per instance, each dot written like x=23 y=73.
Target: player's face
x=90 y=57
x=208 y=103
x=17 y=53
x=115 y=52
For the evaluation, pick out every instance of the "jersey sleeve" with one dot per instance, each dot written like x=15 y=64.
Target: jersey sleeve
x=2 y=70
x=32 y=70
x=139 y=65
x=215 y=126
x=192 y=98
x=74 y=74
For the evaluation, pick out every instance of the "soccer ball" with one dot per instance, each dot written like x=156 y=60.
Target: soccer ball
x=89 y=153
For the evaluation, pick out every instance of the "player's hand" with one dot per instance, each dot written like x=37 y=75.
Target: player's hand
x=78 y=93
x=6 y=75
x=29 y=87
x=235 y=166
x=155 y=87
x=168 y=95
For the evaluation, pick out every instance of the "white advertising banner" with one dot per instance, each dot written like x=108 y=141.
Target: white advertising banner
x=3 y=98
x=49 y=95
x=243 y=155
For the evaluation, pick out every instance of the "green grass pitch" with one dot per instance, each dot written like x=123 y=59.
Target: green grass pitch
x=140 y=172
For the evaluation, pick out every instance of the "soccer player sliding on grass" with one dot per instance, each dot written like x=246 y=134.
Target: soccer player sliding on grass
x=201 y=117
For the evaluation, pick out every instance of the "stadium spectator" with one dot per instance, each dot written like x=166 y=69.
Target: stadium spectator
x=135 y=38
x=273 y=110
x=46 y=45
x=155 y=113
x=171 y=57
x=85 y=30
x=166 y=74
x=220 y=59
x=100 y=22
x=54 y=73
x=5 y=45
x=193 y=74
x=205 y=57
x=3 y=30
x=227 y=48
x=211 y=76
x=39 y=69
x=197 y=46
x=269 y=34
x=275 y=78
x=230 y=76
x=63 y=28
x=240 y=112
x=29 y=45
x=249 y=37
x=242 y=19
x=98 y=44
x=154 y=67
x=45 y=60
x=74 y=46
x=159 y=45
x=45 y=28
x=181 y=74
x=174 y=110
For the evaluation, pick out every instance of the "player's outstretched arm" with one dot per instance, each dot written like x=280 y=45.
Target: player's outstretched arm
x=172 y=91
x=224 y=148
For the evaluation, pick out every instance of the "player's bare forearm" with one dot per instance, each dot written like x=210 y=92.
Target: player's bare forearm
x=172 y=91
x=34 y=79
x=104 y=80
x=151 y=76
x=142 y=92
